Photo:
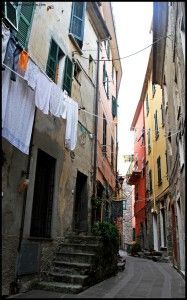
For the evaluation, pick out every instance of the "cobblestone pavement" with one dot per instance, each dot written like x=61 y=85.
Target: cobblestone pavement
x=142 y=278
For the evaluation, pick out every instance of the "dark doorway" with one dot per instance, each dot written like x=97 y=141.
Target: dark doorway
x=81 y=204
x=43 y=196
x=174 y=223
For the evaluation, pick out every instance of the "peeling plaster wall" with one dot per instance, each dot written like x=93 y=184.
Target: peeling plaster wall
x=48 y=136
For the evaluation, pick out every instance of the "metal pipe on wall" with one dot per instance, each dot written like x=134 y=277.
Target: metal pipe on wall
x=96 y=121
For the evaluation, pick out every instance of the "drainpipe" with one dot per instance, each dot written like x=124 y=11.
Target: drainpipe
x=116 y=137
x=25 y=198
x=96 y=121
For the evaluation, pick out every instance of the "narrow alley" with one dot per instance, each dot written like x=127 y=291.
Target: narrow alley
x=93 y=149
x=142 y=278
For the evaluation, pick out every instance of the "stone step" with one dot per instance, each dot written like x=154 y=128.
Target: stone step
x=83 y=239
x=59 y=287
x=72 y=267
x=76 y=247
x=76 y=257
x=69 y=278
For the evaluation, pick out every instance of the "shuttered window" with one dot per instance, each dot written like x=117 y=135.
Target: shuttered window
x=77 y=21
x=108 y=50
x=150 y=182
x=147 y=105
x=20 y=15
x=156 y=126
x=112 y=152
x=159 y=170
x=149 y=140
x=55 y=54
x=114 y=107
x=105 y=80
x=10 y=11
x=25 y=21
x=68 y=75
x=104 y=135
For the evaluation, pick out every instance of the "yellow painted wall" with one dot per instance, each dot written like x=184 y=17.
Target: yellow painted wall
x=158 y=147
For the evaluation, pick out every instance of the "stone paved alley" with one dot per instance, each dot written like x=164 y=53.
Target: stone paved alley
x=142 y=278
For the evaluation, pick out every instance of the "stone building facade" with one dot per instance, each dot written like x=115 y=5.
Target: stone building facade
x=70 y=172
x=128 y=215
x=156 y=163
x=110 y=73
x=169 y=73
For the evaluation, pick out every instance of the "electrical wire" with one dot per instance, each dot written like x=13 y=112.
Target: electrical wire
x=120 y=58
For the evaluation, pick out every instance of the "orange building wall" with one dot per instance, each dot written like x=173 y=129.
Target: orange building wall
x=140 y=186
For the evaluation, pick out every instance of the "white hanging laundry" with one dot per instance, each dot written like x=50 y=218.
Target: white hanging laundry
x=31 y=74
x=71 y=123
x=57 y=105
x=5 y=37
x=19 y=115
x=43 y=92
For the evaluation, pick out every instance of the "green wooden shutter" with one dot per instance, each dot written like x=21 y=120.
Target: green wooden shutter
x=77 y=20
x=68 y=75
x=108 y=50
x=25 y=20
x=11 y=12
x=104 y=73
x=52 y=60
x=114 y=107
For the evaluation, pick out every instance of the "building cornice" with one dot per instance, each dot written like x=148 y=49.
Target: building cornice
x=98 y=21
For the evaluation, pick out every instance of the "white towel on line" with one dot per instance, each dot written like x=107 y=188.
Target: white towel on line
x=43 y=92
x=71 y=123
x=19 y=115
x=57 y=105
x=31 y=74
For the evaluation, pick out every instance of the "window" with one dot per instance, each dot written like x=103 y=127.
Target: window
x=20 y=18
x=113 y=72
x=150 y=182
x=147 y=105
x=169 y=143
x=156 y=125
x=149 y=140
x=153 y=89
x=77 y=21
x=108 y=50
x=143 y=167
x=112 y=152
x=77 y=72
x=90 y=68
x=114 y=107
x=104 y=135
x=159 y=171
x=68 y=75
x=55 y=54
x=105 y=80
x=162 y=114
x=166 y=163
x=142 y=136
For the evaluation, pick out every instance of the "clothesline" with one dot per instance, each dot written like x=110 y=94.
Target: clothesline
x=80 y=108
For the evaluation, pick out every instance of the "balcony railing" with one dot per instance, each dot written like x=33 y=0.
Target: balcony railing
x=133 y=174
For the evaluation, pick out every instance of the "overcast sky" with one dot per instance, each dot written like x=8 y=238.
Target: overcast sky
x=133 y=23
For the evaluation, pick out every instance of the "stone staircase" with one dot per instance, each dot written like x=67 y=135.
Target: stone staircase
x=73 y=266
x=159 y=256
